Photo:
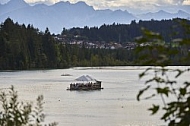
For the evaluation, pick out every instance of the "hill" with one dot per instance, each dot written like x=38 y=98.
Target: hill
x=121 y=33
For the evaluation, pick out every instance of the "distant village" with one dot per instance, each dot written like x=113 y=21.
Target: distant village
x=95 y=44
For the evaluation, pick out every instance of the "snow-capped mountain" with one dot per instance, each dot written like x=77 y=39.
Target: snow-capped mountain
x=66 y=15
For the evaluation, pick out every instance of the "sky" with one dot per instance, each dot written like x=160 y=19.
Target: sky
x=132 y=5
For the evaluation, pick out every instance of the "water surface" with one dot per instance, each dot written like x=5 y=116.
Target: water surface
x=115 y=105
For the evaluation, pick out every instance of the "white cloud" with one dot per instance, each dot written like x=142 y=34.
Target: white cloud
x=115 y=3
x=45 y=1
x=140 y=5
x=110 y=3
x=3 y=1
x=186 y=2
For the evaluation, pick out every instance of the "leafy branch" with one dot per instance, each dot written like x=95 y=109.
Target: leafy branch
x=163 y=80
x=15 y=113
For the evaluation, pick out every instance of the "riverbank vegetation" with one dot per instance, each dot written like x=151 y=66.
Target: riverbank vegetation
x=19 y=113
x=25 y=47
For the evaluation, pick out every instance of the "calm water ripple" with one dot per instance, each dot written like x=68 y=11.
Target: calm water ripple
x=115 y=105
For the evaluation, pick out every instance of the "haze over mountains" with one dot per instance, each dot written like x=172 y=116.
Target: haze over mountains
x=66 y=15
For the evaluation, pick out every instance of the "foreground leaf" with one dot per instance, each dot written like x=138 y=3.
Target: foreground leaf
x=154 y=109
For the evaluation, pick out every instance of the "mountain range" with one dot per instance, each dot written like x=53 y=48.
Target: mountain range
x=67 y=15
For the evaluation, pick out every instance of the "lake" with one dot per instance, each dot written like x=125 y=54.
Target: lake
x=115 y=105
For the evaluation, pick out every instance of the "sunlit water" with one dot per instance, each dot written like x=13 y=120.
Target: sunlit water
x=115 y=105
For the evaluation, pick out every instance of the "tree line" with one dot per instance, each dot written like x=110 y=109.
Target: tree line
x=169 y=29
x=25 y=47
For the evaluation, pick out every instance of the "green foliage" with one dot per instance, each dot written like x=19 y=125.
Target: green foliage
x=163 y=80
x=177 y=111
x=169 y=30
x=25 y=47
x=154 y=109
x=15 y=113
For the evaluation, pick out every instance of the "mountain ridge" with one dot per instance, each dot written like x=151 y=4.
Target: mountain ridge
x=13 y=5
x=67 y=15
x=163 y=15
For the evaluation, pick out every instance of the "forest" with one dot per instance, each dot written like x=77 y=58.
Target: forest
x=121 y=33
x=25 y=47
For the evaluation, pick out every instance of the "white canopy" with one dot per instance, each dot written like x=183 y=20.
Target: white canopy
x=85 y=78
